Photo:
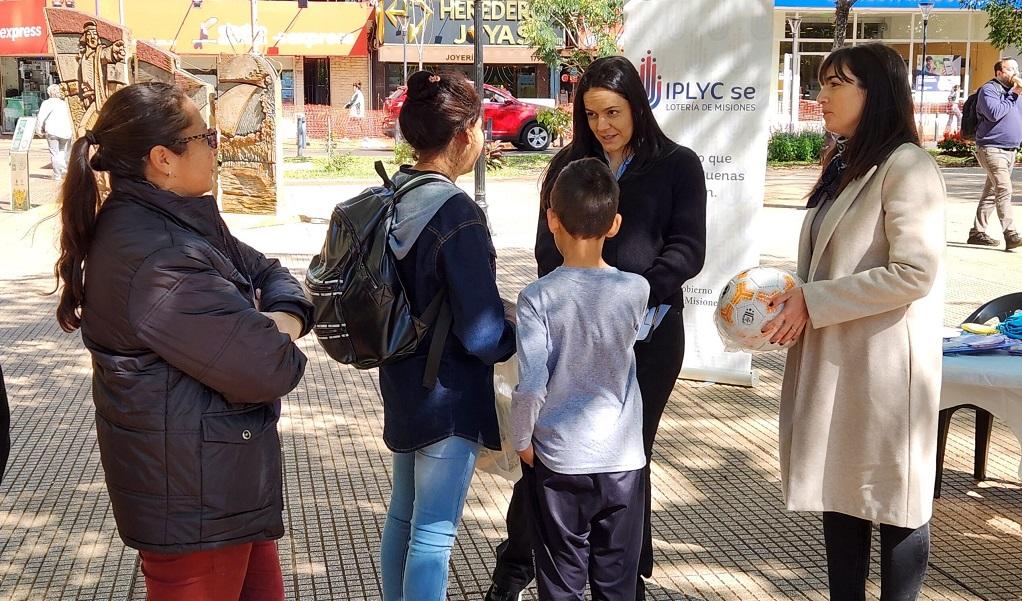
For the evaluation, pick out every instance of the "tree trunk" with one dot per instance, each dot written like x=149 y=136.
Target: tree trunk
x=842 y=8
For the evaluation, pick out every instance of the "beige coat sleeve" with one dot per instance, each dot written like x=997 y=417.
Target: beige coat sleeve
x=912 y=200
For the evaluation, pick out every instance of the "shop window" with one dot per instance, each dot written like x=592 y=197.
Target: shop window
x=804 y=47
x=395 y=77
x=527 y=83
x=816 y=30
x=871 y=31
x=317 y=80
x=394 y=72
x=895 y=27
x=944 y=26
x=287 y=86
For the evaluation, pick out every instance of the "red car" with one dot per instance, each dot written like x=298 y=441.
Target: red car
x=513 y=121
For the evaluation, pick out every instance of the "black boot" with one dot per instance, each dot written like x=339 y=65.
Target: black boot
x=499 y=593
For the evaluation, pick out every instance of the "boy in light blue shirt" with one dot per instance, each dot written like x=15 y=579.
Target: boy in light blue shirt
x=577 y=410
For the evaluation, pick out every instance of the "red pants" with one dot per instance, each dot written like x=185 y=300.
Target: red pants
x=247 y=572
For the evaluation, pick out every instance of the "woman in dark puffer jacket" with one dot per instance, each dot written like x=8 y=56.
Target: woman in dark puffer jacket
x=191 y=334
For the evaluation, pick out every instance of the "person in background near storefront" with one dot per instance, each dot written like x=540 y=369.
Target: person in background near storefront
x=356 y=111
x=859 y=402
x=998 y=134
x=662 y=238
x=954 y=112
x=54 y=121
x=356 y=106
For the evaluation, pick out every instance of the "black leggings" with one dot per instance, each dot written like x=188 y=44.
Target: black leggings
x=658 y=363
x=903 y=556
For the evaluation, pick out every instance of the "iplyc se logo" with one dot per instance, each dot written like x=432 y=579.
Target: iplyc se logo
x=650 y=80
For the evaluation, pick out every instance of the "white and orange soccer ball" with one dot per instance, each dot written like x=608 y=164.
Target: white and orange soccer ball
x=743 y=307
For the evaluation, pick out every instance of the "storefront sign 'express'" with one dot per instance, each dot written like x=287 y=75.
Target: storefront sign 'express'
x=449 y=21
x=23 y=28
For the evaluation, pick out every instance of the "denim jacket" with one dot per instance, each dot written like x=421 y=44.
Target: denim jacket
x=453 y=251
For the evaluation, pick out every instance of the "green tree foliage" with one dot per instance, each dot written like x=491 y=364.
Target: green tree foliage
x=1004 y=21
x=590 y=28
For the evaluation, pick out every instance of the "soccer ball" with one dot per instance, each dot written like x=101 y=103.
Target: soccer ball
x=743 y=307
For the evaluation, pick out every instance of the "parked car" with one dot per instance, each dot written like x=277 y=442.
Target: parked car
x=513 y=121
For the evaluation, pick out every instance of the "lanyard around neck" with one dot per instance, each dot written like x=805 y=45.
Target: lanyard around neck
x=623 y=166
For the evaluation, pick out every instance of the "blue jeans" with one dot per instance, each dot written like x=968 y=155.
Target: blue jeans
x=430 y=486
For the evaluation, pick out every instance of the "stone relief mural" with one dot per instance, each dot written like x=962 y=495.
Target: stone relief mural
x=95 y=58
x=248 y=107
x=155 y=64
x=91 y=57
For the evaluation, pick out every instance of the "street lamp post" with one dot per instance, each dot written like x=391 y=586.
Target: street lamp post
x=795 y=23
x=255 y=21
x=480 y=75
x=925 y=6
x=404 y=45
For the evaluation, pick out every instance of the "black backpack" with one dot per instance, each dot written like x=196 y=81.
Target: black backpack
x=362 y=315
x=970 y=116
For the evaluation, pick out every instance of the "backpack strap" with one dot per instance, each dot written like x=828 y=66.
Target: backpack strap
x=417 y=181
x=438 y=314
x=382 y=171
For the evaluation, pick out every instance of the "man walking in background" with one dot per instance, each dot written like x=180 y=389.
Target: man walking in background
x=998 y=135
x=54 y=120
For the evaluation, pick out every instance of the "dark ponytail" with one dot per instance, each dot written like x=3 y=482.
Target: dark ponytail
x=132 y=121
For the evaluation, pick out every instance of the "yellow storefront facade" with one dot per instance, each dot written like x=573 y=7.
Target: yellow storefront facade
x=319 y=51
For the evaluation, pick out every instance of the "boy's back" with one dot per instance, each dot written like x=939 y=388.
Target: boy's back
x=578 y=387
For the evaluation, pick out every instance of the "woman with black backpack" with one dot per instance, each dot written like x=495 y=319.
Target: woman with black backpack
x=441 y=240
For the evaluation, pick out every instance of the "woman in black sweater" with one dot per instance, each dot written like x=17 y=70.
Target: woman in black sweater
x=662 y=238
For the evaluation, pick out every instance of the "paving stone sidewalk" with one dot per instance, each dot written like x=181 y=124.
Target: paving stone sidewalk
x=719 y=526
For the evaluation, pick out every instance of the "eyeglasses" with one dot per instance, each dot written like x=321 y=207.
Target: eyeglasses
x=210 y=135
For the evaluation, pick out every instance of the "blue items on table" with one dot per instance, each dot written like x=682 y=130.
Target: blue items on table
x=977 y=343
x=1012 y=327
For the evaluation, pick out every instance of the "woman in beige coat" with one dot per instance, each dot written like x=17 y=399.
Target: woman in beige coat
x=858 y=422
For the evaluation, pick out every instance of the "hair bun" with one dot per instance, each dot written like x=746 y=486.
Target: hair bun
x=423 y=85
x=97 y=163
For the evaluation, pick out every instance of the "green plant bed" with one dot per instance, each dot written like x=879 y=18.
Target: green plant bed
x=801 y=147
x=792 y=164
x=346 y=166
x=522 y=165
x=953 y=145
x=945 y=160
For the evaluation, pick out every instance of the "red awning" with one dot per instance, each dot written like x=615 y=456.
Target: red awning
x=23 y=28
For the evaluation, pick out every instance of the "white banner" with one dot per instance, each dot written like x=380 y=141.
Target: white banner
x=706 y=67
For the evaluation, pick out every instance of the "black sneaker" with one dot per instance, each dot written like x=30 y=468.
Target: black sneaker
x=499 y=593
x=981 y=239
x=1012 y=240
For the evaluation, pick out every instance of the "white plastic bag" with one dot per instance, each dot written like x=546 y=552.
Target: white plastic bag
x=505 y=462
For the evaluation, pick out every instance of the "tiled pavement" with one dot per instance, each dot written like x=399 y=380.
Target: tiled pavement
x=720 y=529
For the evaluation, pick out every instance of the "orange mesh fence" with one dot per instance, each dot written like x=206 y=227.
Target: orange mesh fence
x=323 y=121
